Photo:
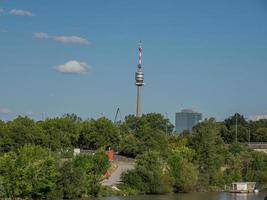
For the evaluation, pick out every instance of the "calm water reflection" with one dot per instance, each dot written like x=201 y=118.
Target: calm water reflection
x=195 y=196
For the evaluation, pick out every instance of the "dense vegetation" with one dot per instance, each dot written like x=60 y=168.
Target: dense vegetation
x=35 y=172
x=36 y=157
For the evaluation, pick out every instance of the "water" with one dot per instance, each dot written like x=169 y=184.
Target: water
x=195 y=196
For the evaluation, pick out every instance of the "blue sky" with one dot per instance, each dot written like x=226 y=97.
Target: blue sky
x=207 y=55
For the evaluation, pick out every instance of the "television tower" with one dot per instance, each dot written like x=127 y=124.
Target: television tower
x=139 y=81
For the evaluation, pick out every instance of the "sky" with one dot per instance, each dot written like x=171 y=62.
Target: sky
x=80 y=56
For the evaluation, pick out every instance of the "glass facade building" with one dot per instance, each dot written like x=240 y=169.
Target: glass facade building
x=186 y=119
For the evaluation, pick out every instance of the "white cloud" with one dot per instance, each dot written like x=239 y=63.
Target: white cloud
x=17 y=12
x=62 y=38
x=72 y=67
x=70 y=39
x=5 y=111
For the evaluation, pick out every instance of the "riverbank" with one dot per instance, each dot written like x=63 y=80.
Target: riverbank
x=193 y=196
x=121 y=190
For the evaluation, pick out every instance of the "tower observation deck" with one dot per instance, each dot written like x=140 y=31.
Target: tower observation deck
x=139 y=81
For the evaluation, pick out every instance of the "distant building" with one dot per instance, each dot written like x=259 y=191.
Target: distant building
x=186 y=119
x=260 y=117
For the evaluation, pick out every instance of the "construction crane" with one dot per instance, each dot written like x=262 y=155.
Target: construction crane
x=118 y=115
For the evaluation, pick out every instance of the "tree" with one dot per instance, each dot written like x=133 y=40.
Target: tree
x=99 y=133
x=31 y=173
x=209 y=146
x=62 y=132
x=155 y=121
x=149 y=175
x=6 y=142
x=226 y=134
x=241 y=135
x=182 y=169
x=93 y=167
x=147 y=133
x=72 y=180
x=32 y=163
x=236 y=128
x=260 y=135
x=36 y=172
x=24 y=130
x=130 y=145
x=152 y=140
x=235 y=119
x=8 y=175
x=233 y=169
x=256 y=169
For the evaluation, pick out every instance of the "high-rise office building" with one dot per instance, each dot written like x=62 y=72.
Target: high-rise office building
x=186 y=119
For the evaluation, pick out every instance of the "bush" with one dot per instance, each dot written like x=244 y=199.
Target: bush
x=34 y=172
x=149 y=176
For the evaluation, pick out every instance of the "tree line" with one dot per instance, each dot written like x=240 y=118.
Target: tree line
x=36 y=157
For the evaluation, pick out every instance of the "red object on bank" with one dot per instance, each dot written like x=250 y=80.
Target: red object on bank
x=110 y=154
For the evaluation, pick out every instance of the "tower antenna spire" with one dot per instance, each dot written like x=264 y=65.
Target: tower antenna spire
x=139 y=80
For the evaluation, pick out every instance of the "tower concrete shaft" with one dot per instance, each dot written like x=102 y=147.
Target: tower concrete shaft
x=138 y=102
x=139 y=81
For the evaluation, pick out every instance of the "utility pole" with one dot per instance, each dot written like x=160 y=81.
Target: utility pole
x=236 y=127
x=248 y=135
x=166 y=123
x=43 y=116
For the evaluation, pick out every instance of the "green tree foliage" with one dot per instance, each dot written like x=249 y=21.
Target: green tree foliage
x=94 y=167
x=71 y=181
x=61 y=132
x=34 y=172
x=8 y=175
x=130 y=145
x=260 y=135
x=149 y=176
x=33 y=162
x=258 y=168
x=209 y=146
x=31 y=173
x=232 y=169
x=150 y=132
x=253 y=131
x=6 y=141
x=182 y=169
x=155 y=121
x=82 y=175
x=236 y=127
x=227 y=135
x=21 y=131
x=235 y=119
x=99 y=133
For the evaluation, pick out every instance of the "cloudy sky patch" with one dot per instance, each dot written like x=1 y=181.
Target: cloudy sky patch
x=62 y=38
x=17 y=12
x=2 y=11
x=5 y=111
x=72 y=67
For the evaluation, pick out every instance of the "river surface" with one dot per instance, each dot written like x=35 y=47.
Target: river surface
x=195 y=196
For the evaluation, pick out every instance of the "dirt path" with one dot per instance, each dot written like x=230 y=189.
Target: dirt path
x=114 y=179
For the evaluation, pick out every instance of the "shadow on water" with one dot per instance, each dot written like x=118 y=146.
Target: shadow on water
x=195 y=196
